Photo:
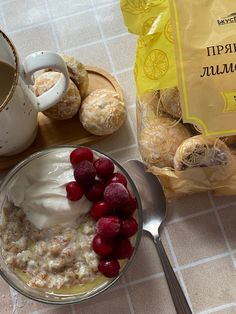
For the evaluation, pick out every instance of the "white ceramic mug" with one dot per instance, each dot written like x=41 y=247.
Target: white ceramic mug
x=18 y=112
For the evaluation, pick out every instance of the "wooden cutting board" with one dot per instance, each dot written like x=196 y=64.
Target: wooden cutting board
x=54 y=133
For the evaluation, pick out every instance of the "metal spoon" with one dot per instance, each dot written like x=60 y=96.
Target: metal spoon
x=154 y=213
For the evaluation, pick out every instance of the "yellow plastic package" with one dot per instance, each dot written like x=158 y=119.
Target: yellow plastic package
x=186 y=86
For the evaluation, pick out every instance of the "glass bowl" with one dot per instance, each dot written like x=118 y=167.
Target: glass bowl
x=64 y=296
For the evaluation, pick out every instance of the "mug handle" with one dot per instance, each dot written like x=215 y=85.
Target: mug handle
x=39 y=61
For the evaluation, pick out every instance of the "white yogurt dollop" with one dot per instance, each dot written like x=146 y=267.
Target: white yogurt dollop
x=39 y=189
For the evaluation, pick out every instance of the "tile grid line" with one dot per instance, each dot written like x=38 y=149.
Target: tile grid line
x=132 y=106
x=128 y=298
x=225 y=237
x=103 y=37
x=52 y=25
x=144 y=279
x=123 y=70
x=219 y=308
x=7 y=1
x=106 y=5
x=222 y=229
x=118 y=150
x=161 y=274
x=3 y=18
x=204 y=261
x=201 y=213
x=99 y=41
x=45 y=310
x=25 y=28
x=73 y=311
x=185 y=290
x=99 y=6
x=208 y=311
x=12 y=294
x=190 y=216
x=132 y=126
x=57 y=18
x=225 y=205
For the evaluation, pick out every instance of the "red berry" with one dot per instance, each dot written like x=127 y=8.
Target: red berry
x=122 y=249
x=95 y=192
x=85 y=173
x=99 y=209
x=74 y=191
x=128 y=209
x=116 y=195
x=101 y=246
x=118 y=178
x=128 y=227
x=108 y=227
x=104 y=167
x=109 y=267
x=79 y=154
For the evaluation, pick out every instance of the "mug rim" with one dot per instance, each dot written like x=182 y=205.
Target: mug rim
x=16 y=71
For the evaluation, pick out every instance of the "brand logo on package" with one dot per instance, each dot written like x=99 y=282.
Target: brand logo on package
x=231 y=18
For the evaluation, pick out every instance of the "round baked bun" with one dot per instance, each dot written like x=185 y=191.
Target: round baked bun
x=159 y=140
x=102 y=112
x=77 y=73
x=170 y=102
x=68 y=105
x=201 y=151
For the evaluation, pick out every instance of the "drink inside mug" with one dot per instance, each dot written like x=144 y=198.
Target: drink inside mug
x=8 y=69
x=6 y=80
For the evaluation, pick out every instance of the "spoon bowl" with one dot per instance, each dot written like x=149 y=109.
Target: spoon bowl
x=152 y=196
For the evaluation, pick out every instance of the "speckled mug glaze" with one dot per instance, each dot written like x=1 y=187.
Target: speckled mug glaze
x=18 y=112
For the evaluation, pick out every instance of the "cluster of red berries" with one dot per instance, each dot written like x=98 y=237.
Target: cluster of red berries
x=113 y=207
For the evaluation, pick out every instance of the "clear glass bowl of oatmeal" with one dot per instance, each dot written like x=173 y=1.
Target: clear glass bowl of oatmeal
x=46 y=248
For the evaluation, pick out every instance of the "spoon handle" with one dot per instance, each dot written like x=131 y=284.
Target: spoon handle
x=180 y=302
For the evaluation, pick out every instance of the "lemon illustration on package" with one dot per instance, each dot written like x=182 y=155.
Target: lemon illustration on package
x=156 y=64
x=168 y=32
x=136 y=7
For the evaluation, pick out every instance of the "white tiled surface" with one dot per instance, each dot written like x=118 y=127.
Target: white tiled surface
x=31 y=42
x=199 y=237
x=28 y=13
x=77 y=30
x=87 y=56
x=63 y=7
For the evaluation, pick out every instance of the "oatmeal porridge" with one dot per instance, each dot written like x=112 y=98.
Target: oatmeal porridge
x=52 y=258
